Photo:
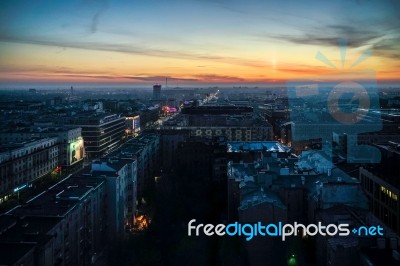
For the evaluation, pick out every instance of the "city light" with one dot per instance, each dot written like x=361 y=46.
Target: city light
x=292 y=261
x=141 y=223
x=20 y=188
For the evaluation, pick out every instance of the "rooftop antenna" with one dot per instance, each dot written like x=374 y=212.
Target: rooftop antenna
x=166 y=82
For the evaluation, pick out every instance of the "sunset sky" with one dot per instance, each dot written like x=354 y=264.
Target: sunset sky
x=194 y=42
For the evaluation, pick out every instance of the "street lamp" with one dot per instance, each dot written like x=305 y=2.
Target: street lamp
x=292 y=261
x=17 y=189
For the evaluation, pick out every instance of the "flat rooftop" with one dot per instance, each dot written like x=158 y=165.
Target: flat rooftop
x=60 y=199
x=30 y=229
x=260 y=197
x=241 y=146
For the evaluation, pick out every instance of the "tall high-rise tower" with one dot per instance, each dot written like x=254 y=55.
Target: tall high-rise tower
x=157 y=92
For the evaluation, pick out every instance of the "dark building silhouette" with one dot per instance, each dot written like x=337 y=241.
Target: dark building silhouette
x=382 y=186
x=156 y=92
x=203 y=158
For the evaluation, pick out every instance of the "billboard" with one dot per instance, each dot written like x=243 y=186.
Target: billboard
x=76 y=151
x=136 y=124
x=133 y=125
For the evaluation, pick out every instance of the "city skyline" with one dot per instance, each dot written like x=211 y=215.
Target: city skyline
x=194 y=43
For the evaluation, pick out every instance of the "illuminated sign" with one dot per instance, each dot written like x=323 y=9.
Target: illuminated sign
x=136 y=124
x=133 y=125
x=168 y=109
x=19 y=188
x=75 y=151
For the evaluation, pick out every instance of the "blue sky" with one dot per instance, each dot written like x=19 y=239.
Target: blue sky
x=192 y=41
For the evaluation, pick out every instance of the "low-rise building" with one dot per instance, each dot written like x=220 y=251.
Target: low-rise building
x=69 y=139
x=267 y=183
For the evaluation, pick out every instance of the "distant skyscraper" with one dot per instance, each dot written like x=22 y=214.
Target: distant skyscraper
x=156 y=92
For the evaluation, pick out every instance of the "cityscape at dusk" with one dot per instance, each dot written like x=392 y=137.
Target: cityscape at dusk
x=200 y=132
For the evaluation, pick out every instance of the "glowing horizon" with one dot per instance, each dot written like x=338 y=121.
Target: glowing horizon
x=194 y=42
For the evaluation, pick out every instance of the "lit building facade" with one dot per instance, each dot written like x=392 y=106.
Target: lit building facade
x=132 y=125
x=100 y=132
x=235 y=133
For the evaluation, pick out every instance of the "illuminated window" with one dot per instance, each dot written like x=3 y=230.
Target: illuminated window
x=389 y=193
